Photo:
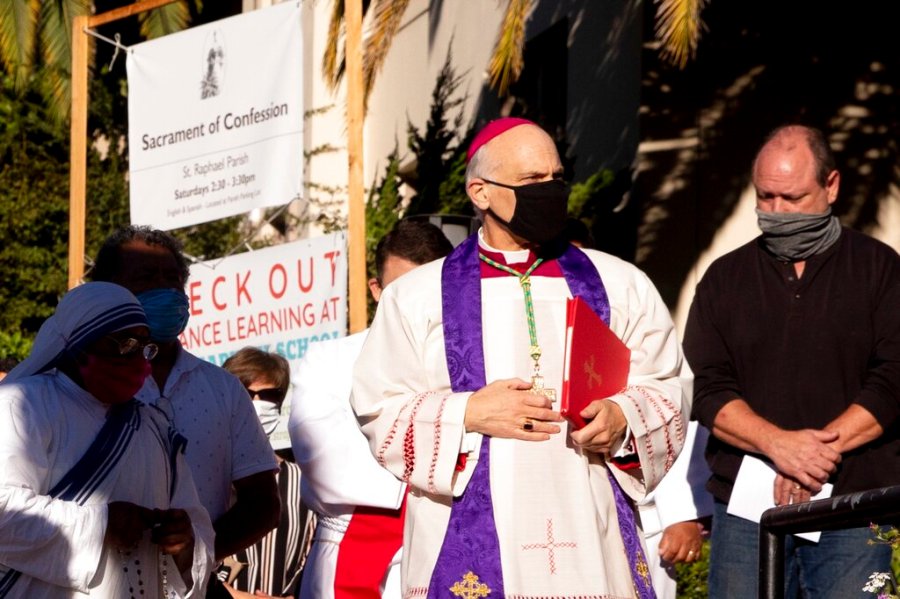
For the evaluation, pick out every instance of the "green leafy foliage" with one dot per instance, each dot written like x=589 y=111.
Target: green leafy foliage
x=440 y=149
x=324 y=203
x=34 y=199
x=214 y=239
x=888 y=535
x=383 y=210
x=14 y=345
x=34 y=191
x=166 y=19
x=439 y=177
x=107 y=185
x=584 y=193
x=36 y=41
x=452 y=188
x=692 y=577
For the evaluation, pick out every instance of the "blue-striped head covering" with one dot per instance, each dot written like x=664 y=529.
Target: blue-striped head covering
x=84 y=314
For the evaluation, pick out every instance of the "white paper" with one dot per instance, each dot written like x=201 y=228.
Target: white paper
x=753 y=493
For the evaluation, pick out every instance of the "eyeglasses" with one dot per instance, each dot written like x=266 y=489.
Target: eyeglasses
x=275 y=395
x=129 y=346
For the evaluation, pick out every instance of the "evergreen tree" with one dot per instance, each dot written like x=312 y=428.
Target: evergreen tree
x=34 y=205
x=441 y=148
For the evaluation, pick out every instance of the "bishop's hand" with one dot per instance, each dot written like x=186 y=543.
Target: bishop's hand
x=509 y=410
x=606 y=426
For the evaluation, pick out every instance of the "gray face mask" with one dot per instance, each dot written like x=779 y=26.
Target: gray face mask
x=794 y=236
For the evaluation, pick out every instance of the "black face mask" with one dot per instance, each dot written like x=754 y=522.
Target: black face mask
x=541 y=210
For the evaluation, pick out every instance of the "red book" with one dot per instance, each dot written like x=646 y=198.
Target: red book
x=596 y=361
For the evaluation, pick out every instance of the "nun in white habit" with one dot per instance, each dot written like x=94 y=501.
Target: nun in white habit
x=95 y=496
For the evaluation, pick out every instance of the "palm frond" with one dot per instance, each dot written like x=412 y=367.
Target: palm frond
x=507 y=58
x=56 y=30
x=56 y=51
x=385 y=23
x=55 y=86
x=18 y=26
x=165 y=19
x=333 y=57
x=678 y=29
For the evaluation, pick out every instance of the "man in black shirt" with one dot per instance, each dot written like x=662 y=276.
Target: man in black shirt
x=794 y=340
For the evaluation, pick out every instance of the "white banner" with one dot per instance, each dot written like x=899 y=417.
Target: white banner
x=279 y=299
x=215 y=118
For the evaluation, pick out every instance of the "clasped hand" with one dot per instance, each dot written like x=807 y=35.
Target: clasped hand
x=170 y=529
x=503 y=408
x=804 y=460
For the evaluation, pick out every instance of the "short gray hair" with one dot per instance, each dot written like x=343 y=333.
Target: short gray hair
x=479 y=165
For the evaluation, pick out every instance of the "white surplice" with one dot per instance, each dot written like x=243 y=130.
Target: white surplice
x=681 y=496
x=553 y=505
x=47 y=422
x=339 y=470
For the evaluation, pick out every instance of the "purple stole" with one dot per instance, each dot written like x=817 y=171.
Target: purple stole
x=471 y=548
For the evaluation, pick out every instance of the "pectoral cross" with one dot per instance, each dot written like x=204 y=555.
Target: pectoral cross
x=537 y=381
x=537 y=387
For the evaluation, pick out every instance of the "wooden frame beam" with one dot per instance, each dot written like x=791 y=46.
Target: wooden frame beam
x=356 y=292
x=78 y=125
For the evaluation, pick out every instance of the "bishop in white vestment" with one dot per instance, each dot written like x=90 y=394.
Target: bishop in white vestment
x=505 y=499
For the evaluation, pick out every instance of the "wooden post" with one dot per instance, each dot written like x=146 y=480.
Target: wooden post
x=357 y=215
x=78 y=149
x=78 y=126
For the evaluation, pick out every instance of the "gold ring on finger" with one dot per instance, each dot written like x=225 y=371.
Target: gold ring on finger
x=529 y=425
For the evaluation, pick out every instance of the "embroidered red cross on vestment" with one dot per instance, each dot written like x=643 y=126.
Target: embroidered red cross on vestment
x=551 y=546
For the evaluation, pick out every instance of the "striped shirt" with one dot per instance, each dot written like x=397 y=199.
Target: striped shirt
x=274 y=564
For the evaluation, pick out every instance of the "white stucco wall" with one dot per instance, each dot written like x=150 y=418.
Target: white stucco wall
x=603 y=66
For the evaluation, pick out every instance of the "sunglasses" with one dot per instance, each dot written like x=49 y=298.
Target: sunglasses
x=128 y=347
x=274 y=395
